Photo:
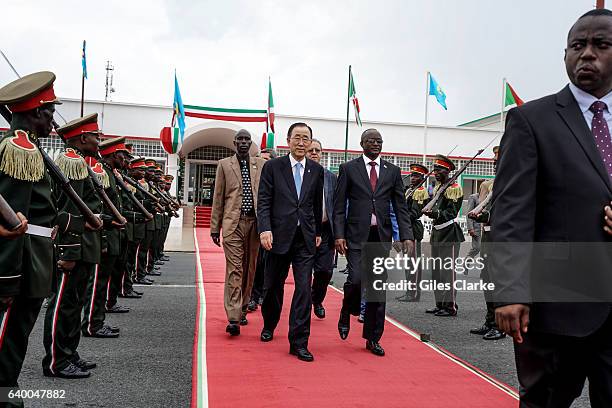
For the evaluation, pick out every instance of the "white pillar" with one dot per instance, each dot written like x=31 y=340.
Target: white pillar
x=172 y=168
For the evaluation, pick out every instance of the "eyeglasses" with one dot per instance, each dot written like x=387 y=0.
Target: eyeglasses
x=303 y=139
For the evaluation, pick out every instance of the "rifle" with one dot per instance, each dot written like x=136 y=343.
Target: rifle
x=8 y=215
x=476 y=211
x=120 y=219
x=164 y=200
x=436 y=197
x=138 y=187
x=132 y=197
x=61 y=179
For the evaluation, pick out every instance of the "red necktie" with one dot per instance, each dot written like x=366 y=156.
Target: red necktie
x=373 y=175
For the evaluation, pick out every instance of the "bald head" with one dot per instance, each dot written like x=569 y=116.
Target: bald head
x=371 y=142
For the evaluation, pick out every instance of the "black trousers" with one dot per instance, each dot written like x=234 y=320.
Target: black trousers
x=17 y=323
x=359 y=264
x=415 y=276
x=94 y=311
x=552 y=368
x=129 y=273
x=258 y=282
x=277 y=269
x=323 y=265
x=62 y=331
x=486 y=278
x=117 y=274
x=443 y=271
x=144 y=261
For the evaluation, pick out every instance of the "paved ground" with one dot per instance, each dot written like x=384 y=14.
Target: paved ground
x=149 y=365
x=494 y=357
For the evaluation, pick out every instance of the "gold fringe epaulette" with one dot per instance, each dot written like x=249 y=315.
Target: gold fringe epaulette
x=102 y=175
x=454 y=192
x=72 y=165
x=420 y=195
x=20 y=158
x=144 y=185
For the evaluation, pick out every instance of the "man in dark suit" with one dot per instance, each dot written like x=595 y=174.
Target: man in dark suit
x=289 y=221
x=367 y=189
x=552 y=184
x=324 y=258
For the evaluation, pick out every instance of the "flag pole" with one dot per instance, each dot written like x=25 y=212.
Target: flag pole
x=501 y=112
x=425 y=129
x=83 y=82
x=348 y=99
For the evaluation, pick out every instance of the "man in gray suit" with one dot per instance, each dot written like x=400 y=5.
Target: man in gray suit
x=324 y=258
x=473 y=226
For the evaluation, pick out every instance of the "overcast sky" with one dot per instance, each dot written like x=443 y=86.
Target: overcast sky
x=223 y=52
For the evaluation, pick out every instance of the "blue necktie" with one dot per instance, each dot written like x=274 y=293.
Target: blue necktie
x=297 y=177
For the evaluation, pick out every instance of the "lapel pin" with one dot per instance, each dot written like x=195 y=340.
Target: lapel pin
x=385 y=166
x=309 y=170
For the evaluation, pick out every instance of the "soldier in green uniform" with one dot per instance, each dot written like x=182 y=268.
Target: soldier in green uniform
x=78 y=259
x=96 y=300
x=446 y=238
x=136 y=234
x=167 y=184
x=26 y=260
x=144 y=259
x=489 y=329
x=416 y=201
x=160 y=223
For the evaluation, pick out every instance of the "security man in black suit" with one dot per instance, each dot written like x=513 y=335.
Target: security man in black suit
x=553 y=182
x=367 y=188
x=289 y=221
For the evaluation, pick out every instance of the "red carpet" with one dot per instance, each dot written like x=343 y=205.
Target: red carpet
x=244 y=372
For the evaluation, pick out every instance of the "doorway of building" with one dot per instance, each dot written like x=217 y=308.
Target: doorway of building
x=202 y=183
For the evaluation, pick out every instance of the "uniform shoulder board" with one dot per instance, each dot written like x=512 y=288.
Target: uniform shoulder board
x=20 y=158
x=72 y=165
x=420 y=194
x=454 y=192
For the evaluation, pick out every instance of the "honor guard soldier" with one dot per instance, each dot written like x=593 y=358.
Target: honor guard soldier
x=136 y=233
x=446 y=238
x=489 y=330
x=26 y=260
x=144 y=260
x=160 y=221
x=167 y=186
x=79 y=258
x=417 y=197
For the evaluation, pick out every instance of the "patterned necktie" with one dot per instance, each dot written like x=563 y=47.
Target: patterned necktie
x=297 y=177
x=601 y=133
x=373 y=175
x=247 y=192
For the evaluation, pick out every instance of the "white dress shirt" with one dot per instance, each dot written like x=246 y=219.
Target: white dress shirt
x=585 y=100
x=367 y=161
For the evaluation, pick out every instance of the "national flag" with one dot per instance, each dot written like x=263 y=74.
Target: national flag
x=436 y=90
x=353 y=96
x=170 y=139
x=511 y=97
x=232 y=115
x=264 y=141
x=270 y=106
x=178 y=108
x=84 y=61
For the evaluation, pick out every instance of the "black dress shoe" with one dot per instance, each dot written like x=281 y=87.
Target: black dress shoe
x=154 y=273
x=375 y=348
x=84 y=364
x=160 y=263
x=117 y=309
x=164 y=258
x=266 y=335
x=156 y=268
x=433 y=311
x=103 y=332
x=143 y=281
x=243 y=321
x=319 y=311
x=137 y=292
x=70 y=372
x=446 y=313
x=302 y=353
x=233 y=329
x=494 y=334
x=482 y=330
x=130 y=295
x=113 y=329
x=151 y=281
x=344 y=325
x=252 y=306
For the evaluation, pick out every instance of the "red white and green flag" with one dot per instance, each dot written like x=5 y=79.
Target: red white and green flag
x=510 y=96
x=170 y=138
x=267 y=140
x=232 y=115
x=353 y=96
